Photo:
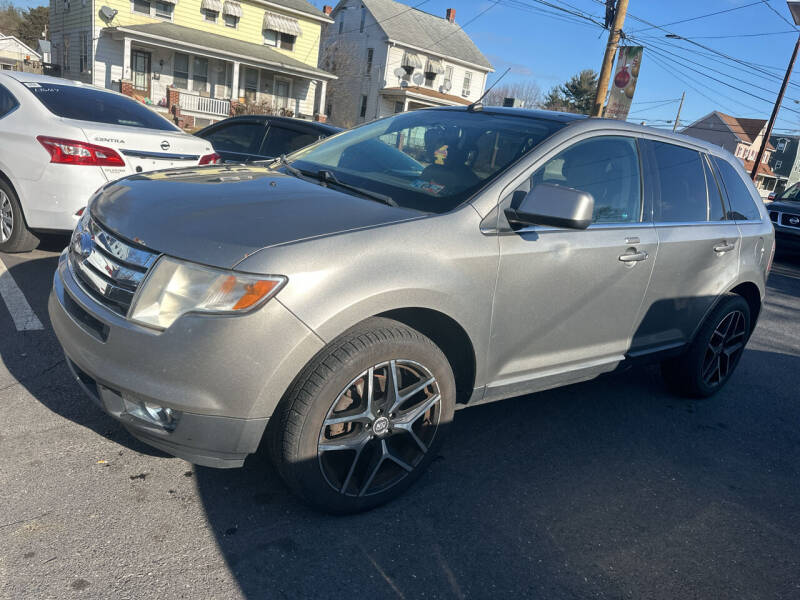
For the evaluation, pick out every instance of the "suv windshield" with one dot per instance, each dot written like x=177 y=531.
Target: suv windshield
x=429 y=160
x=89 y=104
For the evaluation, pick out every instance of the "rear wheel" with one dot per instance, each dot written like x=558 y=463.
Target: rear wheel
x=715 y=352
x=14 y=234
x=365 y=419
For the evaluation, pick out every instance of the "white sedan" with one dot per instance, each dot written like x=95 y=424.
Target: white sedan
x=61 y=140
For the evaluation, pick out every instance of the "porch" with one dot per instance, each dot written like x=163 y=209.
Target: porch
x=201 y=77
x=400 y=99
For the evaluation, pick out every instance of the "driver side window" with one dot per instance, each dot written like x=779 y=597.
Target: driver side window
x=607 y=168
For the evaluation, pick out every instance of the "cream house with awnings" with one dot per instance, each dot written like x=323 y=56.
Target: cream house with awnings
x=201 y=59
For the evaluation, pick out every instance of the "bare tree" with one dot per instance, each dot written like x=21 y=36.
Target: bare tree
x=527 y=91
x=340 y=58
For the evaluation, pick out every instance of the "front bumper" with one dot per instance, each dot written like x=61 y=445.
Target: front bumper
x=224 y=375
x=787 y=238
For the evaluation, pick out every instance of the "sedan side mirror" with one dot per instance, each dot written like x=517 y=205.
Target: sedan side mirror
x=553 y=205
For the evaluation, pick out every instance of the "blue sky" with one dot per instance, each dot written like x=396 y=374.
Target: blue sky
x=549 y=50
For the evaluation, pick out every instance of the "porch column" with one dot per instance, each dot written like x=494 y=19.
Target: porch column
x=126 y=59
x=322 y=87
x=235 y=82
x=405 y=104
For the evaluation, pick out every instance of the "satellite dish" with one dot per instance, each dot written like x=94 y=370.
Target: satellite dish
x=400 y=72
x=417 y=78
x=447 y=85
x=107 y=13
x=403 y=83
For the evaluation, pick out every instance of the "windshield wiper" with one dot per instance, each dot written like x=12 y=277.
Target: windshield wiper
x=329 y=178
x=285 y=163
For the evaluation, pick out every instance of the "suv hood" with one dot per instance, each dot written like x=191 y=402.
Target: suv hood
x=220 y=215
x=784 y=206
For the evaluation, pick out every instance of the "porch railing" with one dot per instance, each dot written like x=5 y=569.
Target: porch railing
x=211 y=106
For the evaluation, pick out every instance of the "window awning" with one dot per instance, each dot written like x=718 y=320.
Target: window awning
x=169 y=1
x=434 y=66
x=281 y=24
x=215 y=5
x=411 y=60
x=233 y=9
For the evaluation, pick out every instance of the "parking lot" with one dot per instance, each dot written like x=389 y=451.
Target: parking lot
x=607 y=489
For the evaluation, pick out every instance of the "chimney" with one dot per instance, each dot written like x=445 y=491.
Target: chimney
x=451 y=15
x=327 y=10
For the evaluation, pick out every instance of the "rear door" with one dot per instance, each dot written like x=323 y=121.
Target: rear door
x=237 y=141
x=698 y=253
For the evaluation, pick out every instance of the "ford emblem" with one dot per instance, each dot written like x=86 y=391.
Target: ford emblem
x=86 y=244
x=165 y=145
x=794 y=220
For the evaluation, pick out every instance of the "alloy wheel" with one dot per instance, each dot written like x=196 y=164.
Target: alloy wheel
x=724 y=348
x=6 y=217
x=379 y=428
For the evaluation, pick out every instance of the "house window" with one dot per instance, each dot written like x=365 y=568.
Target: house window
x=341 y=24
x=210 y=15
x=231 y=20
x=164 y=10
x=370 y=54
x=467 y=83
x=180 y=71
x=363 y=20
x=398 y=106
x=271 y=37
x=781 y=146
x=200 y=74
x=66 y=53
x=448 y=77
x=363 y=111
x=287 y=41
x=84 y=49
x=778 y=164
x=141 y=6
x=251 y=85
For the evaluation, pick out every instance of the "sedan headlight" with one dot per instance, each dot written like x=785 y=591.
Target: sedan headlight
x=175 y=288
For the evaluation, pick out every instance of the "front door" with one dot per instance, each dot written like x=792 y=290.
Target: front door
x=567 y=300
x=140 y=61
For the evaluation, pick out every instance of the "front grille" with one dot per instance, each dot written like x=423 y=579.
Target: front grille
x=108 y=269
x=790 y=220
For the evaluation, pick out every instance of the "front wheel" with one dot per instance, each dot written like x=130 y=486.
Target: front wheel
x=715 y=352
x=365 y=418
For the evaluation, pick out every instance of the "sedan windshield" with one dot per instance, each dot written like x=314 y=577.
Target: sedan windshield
x=791 y=194
x=428 y=160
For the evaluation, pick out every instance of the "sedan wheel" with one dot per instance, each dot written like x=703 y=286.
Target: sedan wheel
x=6 y=218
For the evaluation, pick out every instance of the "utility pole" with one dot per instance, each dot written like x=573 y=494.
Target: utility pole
x=774 y=114
x=678 y=116
x=608 y=58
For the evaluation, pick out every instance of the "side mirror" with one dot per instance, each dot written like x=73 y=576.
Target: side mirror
x=553 y=205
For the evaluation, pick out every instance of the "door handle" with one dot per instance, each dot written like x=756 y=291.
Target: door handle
x=724 y=247
x=633 y=256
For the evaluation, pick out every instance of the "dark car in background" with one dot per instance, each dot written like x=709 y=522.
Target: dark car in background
x=247 y=138
x=784 y=212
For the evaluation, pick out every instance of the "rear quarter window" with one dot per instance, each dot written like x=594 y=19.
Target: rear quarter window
x=7 y=102
x=742 y=205
x=97 y=106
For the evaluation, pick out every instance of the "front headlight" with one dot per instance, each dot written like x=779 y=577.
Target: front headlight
x=175 y=288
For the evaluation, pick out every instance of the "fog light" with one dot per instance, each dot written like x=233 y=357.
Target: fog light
x=164 y=417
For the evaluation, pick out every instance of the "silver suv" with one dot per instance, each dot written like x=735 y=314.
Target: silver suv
x=341 y=303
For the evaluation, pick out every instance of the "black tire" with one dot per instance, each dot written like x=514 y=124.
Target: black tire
x=299 y=428
x=20 y=239
x=711 y=358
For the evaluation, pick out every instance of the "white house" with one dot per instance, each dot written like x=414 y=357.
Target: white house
x=390 y=57
x=17 y=56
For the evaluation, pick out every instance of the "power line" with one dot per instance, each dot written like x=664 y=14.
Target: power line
x=742 y=35
x=719 y=12
x=472 y=20
x=773 y=9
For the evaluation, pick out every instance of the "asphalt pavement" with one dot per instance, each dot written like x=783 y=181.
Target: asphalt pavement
x=606 y=489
